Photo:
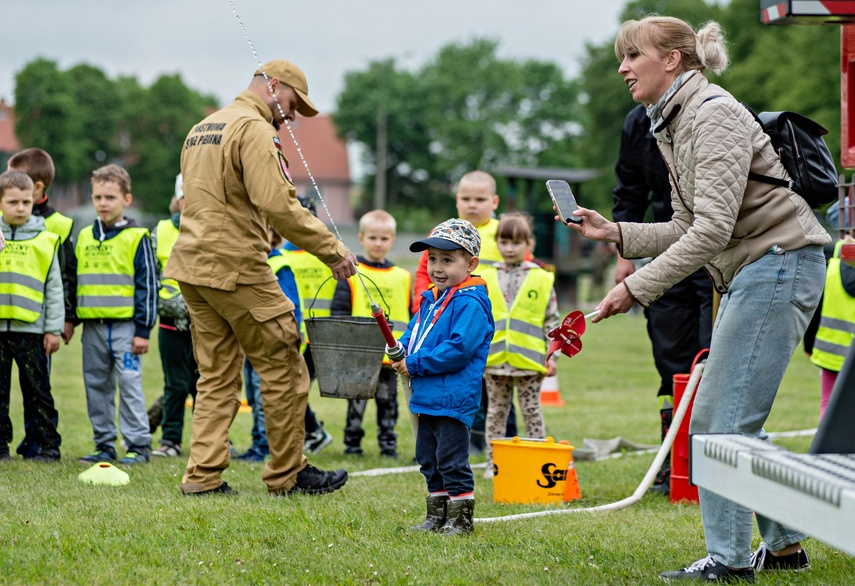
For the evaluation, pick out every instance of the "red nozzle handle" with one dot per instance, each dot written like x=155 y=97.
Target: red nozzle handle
x=378 y=316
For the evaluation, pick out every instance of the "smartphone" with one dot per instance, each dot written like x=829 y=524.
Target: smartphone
x=563 y=199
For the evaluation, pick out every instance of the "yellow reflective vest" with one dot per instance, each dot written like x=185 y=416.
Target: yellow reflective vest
x=391 y=288
x=167 y=234
x=105 y=274
x=489 y=254
x=59 y=225
x=24 y=268
x=518 y=339
x=837 y=319
x=277 y=262
x=314 y=282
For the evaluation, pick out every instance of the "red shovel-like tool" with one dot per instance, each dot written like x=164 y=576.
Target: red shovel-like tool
x=565 y=338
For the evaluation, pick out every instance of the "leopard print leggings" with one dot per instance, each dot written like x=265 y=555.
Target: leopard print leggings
x=500 y=391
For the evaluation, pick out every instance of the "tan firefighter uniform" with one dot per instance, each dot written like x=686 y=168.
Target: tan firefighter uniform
x=236 y=181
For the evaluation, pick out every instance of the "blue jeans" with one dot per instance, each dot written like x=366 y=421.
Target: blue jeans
x=759 y=324
x=252 y=390
x=442 y=450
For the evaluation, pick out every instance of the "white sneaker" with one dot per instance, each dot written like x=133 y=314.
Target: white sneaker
x=316 y=441
x=167 y=451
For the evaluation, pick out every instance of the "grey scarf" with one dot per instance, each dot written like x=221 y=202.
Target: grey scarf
x=654 y=111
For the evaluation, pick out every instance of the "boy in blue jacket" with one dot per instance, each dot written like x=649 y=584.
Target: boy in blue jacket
x=447 y=343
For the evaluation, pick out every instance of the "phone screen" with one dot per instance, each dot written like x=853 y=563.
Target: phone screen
x=563 y=199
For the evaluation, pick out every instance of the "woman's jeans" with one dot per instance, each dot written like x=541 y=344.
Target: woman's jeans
x=760 y=321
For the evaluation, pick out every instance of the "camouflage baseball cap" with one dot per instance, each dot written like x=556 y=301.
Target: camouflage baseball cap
x=451 y=235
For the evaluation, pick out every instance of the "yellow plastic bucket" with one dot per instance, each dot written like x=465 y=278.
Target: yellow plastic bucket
x=530 y=470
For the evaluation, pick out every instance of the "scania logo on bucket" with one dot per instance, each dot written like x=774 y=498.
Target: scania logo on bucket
x=552 y=475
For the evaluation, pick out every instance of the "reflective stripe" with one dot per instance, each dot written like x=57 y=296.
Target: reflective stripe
x=171 y=290
x=121 y=280
x=519 y=340
x=105 y=273
x=105 y=301
x=533 y=355
x=322 y=304
x=25 y=266
x=526 y=328
x=19 y=279
x=837 y=324
x=836 y=349
x=10 y=299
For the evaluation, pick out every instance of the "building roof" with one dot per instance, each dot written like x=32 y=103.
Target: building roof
x=325 y=152
x=8 y=142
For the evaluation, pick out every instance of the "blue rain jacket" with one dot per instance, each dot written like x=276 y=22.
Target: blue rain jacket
x=446 y=369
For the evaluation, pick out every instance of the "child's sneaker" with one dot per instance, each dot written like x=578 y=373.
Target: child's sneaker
x=253 y=454
x=4 y=453
x=103 y=453
x=762 y=560
x=353 y=451
x=317 y=441
x=389 y=453
x=167 y=451
x=136 y=455
x=49 y=456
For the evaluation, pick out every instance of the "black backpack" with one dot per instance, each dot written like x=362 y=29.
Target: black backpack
x=804 y=154
x=799 y=143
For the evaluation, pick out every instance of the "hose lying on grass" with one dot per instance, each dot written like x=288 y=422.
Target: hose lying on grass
x=648 y=478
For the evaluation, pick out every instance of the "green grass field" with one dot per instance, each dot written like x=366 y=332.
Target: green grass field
x=55 y=530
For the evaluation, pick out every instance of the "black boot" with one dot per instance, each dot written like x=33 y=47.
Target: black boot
x=459 y=520
x=436 y=513
x=662 y=482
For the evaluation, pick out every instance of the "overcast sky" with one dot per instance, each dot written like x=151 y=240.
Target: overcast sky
x=203 y=41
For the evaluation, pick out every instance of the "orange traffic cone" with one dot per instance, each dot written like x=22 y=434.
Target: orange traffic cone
x=549 y=395
x=571 y=486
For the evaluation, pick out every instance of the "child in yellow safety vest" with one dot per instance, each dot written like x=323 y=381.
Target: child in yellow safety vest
x=117 y=303
x=830 y=333
x=525 y=308
x=391 y=287
x=38 y=164
x=31 y=314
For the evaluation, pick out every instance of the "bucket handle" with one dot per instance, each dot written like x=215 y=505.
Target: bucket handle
x=324 y=282
x=698 y=358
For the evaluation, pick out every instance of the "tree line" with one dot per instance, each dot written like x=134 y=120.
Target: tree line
x=86 y=120
x=465 y=108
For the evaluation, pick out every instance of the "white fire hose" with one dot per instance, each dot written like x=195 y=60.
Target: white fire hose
x=677 y=419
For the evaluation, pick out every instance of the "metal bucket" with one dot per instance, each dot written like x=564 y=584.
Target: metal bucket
x=348 y=353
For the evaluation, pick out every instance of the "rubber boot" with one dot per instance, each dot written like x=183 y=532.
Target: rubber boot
x=662 y=482
x=155 y=414
x=437 y=507
x=459 y=520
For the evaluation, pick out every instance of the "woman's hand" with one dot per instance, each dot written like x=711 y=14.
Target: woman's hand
x=593 y=226
x=618 y=300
